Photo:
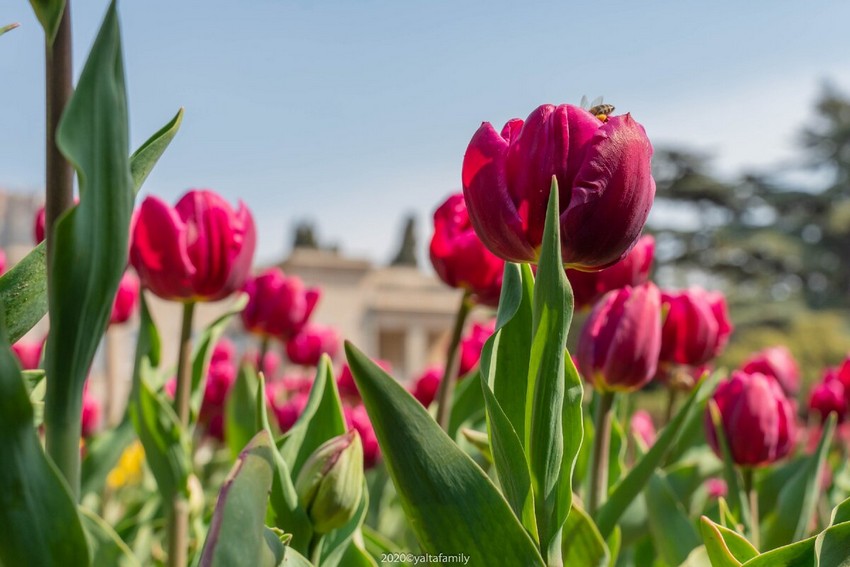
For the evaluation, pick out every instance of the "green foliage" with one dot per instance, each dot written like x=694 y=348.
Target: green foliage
x=581 y=542
x=24 y=292
x=108 y=550
x=240 y=410
x=49 y=14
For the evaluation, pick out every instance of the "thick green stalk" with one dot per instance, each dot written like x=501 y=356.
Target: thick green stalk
x=447 y=384
x=178 y=518
x=601 y=450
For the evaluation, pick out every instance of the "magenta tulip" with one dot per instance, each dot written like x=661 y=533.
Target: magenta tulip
x=425 y=387
x=632 y=270
x=357 y=418
x=460 y=258
x=28 y=353
x=619 y=343
x=716 y=488
x=271 y=363
x=288 y=412
x=643 y=428
x=828 y=397
x=126 y=299
x=604 y=182
x=306 y=348
x=38 y=225
x=278 y=306
x=91 y=415
x=223 y=351
x=2 y=262
x=696 y=328
x=758 y=420
x=778 y=363
x=345 y=381
x=472 y=343
x=200 y=250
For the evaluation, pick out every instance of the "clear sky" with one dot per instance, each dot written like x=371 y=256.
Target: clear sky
x=355 y=113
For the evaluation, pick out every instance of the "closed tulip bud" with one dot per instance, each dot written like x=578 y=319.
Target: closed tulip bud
x=716 y=488
x=696 y=328
x=619 y=343
x=38 y=225
x=307 y=347
x=330 y=484
x=91 y=415
x=278 y=306
x=778 y=363
x=758 y=420
x=604 y=183
x=28 y=353
x=126 y=299
x=632 y=270
x=643 y=428
x=828 y=397
x=199 y=250
x=425 y=387
x=472 y=344
x=460 y=258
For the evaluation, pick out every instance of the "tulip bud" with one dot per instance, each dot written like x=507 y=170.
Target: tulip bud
x=330 y=483
x=643 y=428
x=198 y=250
x=460 y=258
x=619 y=343
x=758 y=420
x=307 y=347
x=472 y=344
x=125 y=299
x=425 y=387
x=632 y=270
x=776 y=362
x=278 y=306
x=604 y=181
x=696 y=328
x=28 y=353
x=829 y=397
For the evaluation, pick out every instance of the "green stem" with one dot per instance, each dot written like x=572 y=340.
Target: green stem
x=264 y=349
x=753 y=498
x=178 y=517
x=447 y=384
x=601 y=449
x=672 y=394
x=63 y=403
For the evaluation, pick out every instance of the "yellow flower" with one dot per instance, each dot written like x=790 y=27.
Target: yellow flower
x=128 y=471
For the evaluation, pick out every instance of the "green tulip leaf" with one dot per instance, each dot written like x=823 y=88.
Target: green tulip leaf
x=144 y=159
x=735 y=490
x=633 y=483
x=164 y=439
x=468 y=404
x=321 y=419
x=24 y=292
x=108 y=549
x=832 y=545
x=795 y=506
x=240 y=411
x=237 y=534
x=8 y=28
x=450 y=503
x=581 y=542
x=840 y=513
x=725 y=548
x=674 y=535
x=49 y=14
x=39 y=519
x=284 y=510
x=799 y=554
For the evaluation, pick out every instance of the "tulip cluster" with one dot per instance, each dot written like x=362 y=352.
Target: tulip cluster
x=307 y=347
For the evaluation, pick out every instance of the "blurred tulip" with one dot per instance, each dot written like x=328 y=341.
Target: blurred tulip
x=460 y=258
x=223 y=351
x=220 y=378
x=2 y=262
x=776 y=362
x=28 y=353
x=271 y=363
x=758 y=420
x=696 y=328
x=91 y=414
x=632 y=270
x=278 y=306
x=716 y=488
x=357 y=418
x=472 y=343
x=345 y=380
x=828 y=397
x=643 y=428
x=619 y=343
x=306 y=348
x=424 y=388
x=604 y=182
x=126 y=299
x=288 y=412
x=200 y=250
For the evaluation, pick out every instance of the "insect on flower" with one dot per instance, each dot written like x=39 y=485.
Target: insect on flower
x=597 y=108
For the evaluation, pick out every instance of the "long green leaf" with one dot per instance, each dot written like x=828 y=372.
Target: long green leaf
x=840 y=513
x=49 y=14
x=240 y=411
x=237 y=534
x=799 y=554
x=735 y=492
x=832 y=546
x=39 y=519
x=144 y=159
x=550 y=458
x=453 y=507
x=630 y=486
x=581 y=542
x=790 y=519
x=468 y=403
x=109 y=550
x=321 y=419
x=674 y=535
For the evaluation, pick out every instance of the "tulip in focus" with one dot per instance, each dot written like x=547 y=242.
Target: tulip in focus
x=779 y=363
x=28 y=353
x=619 y=343
x=306 y=348
x=696 y=328
x=125 y=300
x=460 y=258
x=424 y=388
x=829 y=397
x=758 y=420
x=199 y=250
x=330 y=484
x=632 y=270
x=472 y=344
x=604 y=182
x=278 y=306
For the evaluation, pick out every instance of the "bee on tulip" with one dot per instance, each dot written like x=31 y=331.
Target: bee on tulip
x=597 y=108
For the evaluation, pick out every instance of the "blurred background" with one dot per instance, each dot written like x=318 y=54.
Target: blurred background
x=343 y=125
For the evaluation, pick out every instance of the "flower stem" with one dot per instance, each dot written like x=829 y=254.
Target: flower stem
x=601 y=448
x=178 y=518
x=447 y=384
x=264 y=349
x=753 y=498
x=672 y=394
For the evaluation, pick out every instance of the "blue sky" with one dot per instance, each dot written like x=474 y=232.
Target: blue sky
x=355 y=113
